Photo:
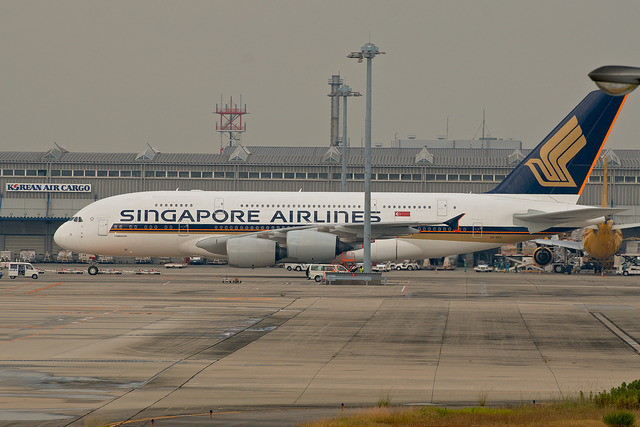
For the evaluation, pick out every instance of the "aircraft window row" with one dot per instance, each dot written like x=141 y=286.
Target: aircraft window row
x=174 y=205
x=406 y=207
x=257 y=205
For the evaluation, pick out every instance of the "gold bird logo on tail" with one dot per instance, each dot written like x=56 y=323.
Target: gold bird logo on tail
x=551 y=168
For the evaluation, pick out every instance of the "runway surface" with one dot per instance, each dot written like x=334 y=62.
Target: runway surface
x=185 y=349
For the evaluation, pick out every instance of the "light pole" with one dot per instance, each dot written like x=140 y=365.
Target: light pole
x=368 y=51
x=616 y=79
x=345 y=91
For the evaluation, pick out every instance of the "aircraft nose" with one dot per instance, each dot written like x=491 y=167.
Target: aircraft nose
x=63 y=235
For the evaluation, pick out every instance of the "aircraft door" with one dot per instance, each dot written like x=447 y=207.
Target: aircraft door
x=442 y=207
x=103 y=226
x=218 y=203
x=183 y=228
x=477 y=230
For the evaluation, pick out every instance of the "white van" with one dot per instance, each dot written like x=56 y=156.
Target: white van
x=316 y=271
x=23 y=269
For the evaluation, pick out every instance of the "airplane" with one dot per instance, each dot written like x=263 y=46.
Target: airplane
x=255 y=229
x=600 y=241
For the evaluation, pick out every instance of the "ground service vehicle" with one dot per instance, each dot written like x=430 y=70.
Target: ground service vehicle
x=316 y=271
x=23 y=269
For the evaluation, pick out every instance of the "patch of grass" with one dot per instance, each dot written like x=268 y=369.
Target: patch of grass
x=384 y=400
x=619 y=419
x=570 y=415
x=627 y=396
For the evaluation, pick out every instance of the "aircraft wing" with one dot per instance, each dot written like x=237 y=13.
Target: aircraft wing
x=348 y=233
x=569 y=244
x=537 y=221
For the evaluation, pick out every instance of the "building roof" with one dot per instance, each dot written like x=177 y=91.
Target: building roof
x=310 y=156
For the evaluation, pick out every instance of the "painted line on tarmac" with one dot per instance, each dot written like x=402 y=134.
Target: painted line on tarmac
x=245 y=299
x=617 y=331
x=46 y=287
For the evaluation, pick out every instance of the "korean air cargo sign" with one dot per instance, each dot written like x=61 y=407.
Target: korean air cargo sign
x=49 y=188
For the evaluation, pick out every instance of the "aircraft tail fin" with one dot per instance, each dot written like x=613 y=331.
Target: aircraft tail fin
x=563 y=161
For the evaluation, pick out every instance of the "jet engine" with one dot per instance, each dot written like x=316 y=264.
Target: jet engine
x=314 y=246
x=252 y=252
x=543 y=256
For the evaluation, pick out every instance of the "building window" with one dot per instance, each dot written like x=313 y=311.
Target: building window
x=499 y=177
x=65 y=172
x=196 y=174
x=405 y=177
x=383 y=176
x=312 y=175
x=18 y=172
x=183 y=174
x=229 y=174
x=172 y=174
x=254 y=175
x=276 y=175
x=453 y=177
x=595 y=178
x=243 y=175
x=416 y=177
x=289 y=175
x=7 y=172
x=207 y=174
x=42 y=172
x=487 y=177
x=31 y=172
x=89 y=173
x=441 y=177
x=218 y=174
x=476 y=177
x=114 y=174
x=335 y=175
x=265 y=175
x=358 y=176
x=147 y=174
x=629 y=179
x=78 y=173
x=619 y=178
x=125 y=174
x=136 y=174
x=301 y=175
x=323 y=175
x=161 y=174
x=394 y=176
x=464 y=177
x=55 y=172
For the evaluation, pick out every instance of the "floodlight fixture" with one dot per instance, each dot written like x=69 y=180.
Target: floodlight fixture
x=616 y=80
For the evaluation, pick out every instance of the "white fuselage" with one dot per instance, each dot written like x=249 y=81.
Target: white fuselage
x=171 y=223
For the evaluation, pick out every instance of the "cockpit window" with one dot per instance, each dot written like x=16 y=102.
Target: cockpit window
x=77 y=219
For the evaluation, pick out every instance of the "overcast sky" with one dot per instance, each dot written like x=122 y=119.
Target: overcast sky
x=111 y=76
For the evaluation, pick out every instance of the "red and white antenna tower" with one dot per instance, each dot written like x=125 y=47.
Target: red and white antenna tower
x=230 y=124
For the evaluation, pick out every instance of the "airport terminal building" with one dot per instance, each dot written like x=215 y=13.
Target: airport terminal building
x=41 y=190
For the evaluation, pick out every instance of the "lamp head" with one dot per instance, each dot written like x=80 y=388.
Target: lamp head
x=616 y=80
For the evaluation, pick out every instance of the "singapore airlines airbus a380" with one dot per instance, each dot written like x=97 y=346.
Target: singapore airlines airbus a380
x=254 y=229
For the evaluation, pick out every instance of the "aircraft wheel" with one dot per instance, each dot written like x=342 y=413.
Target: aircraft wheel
x=558 y=269
x=93 y=270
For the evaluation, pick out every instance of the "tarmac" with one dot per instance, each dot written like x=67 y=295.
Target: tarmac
x=213 y=345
